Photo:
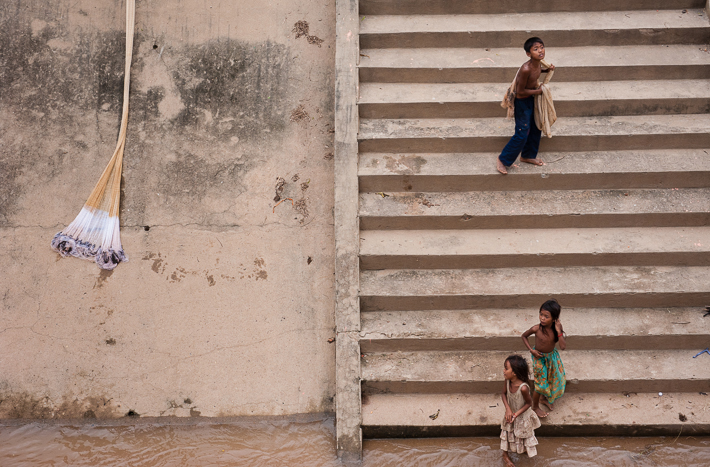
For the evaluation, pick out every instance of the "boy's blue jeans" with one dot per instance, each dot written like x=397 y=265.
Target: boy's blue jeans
x=527 y=135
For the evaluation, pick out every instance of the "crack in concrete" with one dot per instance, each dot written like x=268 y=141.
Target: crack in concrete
x=59 y=227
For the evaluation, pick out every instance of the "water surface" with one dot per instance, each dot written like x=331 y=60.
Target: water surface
x=305 y=441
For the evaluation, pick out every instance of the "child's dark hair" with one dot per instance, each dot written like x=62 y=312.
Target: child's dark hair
x=532 y=41
x=554 y=308
x=520 y=367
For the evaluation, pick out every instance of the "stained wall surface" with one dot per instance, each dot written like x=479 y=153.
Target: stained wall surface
x=225 y=307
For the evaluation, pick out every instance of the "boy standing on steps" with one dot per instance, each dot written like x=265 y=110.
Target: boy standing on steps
x=527 y=134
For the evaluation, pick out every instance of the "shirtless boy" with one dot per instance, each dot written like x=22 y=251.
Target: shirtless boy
x=527 y=134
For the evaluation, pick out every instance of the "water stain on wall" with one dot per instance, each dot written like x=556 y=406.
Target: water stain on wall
x=201 y=98
x=27 y=406
x=10 y=188
x=236 y=88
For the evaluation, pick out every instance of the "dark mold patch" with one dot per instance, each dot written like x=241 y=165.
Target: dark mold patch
x=22 y=405
x=190 y=177
x=280 y=185
x=23 y=167
x=50 y=69
x=242 y=85
x=10 y=188
x=406 y=165
x=158 y=265
x=299 y=114
x=104 y=274
x=148 y=105
x=301 y=30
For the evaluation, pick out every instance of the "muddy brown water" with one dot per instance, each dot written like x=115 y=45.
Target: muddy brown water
x=306 y=441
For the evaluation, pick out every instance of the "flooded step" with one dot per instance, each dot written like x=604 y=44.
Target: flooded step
x=461 y=172
x=571 y=29
x=684 y=207
x=442 y=7
x=688 y=131
x=572 y=99
x=507 y=248
x=576 y=414
x=587 y=329
x=499 y=65
x=605 y=287
x=587 y=371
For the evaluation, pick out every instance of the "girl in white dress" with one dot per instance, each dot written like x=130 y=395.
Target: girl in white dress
x=520 y=421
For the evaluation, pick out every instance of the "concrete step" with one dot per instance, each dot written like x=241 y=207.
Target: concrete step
x=579 y=99
x=549 y=209
x=569 y=29
x=507 y=248
x=576 y=414
x=442 y=7
x=500 y=329
x=601 y=286
x=499 y=65
x=689 y=131
x=587 y=371
x=382 y=172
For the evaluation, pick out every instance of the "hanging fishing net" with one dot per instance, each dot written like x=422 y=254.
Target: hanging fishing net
x=95 y=234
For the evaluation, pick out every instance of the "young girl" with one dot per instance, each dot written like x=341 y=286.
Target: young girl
x=518 y=426
x=547 y=366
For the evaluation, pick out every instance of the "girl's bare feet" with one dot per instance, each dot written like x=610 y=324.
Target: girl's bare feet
x=532 y=161
x=547 y=404
x=540 y=413
x=506 y=459
x=501 y=168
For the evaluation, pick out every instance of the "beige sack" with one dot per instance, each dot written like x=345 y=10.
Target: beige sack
x=545 y=115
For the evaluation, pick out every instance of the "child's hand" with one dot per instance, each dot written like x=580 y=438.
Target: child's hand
x=558 y=326
x=536 y=353
x=552 y=67
x=509 y=417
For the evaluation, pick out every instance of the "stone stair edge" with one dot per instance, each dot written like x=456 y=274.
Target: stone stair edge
x=437 y=93
x=379 y=7
x=628 y=56
x=507 y=22
x=593 y=370
x=603 y=413
x=479 y=163
x=639 y=27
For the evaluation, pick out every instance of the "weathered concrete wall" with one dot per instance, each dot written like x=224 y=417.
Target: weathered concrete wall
x=225 y=307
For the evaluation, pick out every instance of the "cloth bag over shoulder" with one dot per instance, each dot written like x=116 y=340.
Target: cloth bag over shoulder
x=545 y=115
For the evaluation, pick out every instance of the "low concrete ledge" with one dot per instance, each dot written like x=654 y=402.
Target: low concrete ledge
x=630 y=414
x=496 y=65
x=607 y=287
x=587 y=328
x=552 y=209
x=464 y=172
x=588 y=371
x=605 y=28
x=438 y=7
x=493 y=248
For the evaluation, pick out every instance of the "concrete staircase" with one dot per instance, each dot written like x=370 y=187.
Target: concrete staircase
x=455 y=259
